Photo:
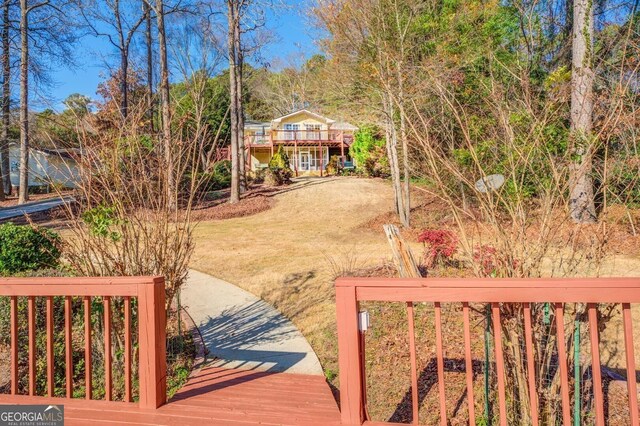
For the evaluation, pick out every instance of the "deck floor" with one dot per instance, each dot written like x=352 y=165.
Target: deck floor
x=216 y=396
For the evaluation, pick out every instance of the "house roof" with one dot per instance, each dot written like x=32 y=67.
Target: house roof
x=71 y=153
x=304 y=111
x=252 y=124
x=343 y=125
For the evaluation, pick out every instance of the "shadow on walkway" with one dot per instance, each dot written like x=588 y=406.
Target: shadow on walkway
x=237 y=332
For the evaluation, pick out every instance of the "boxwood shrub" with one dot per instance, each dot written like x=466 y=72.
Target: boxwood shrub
x=27 y=248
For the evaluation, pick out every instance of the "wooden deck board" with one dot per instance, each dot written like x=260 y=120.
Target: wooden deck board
x=215 y=396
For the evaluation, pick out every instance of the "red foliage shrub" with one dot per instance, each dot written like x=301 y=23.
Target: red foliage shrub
x=486 y=257
x=493 y=263
x=439 y=244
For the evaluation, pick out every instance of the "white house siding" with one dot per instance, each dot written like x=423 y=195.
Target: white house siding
x=44 y=168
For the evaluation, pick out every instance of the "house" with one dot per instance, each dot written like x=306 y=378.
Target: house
x=46 y=166
x=309 y=139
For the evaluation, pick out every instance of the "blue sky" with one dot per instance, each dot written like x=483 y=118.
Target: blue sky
x=294 y=37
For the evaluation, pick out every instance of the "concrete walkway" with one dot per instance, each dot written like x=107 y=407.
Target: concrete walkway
x=31 y=208
x=242 y=331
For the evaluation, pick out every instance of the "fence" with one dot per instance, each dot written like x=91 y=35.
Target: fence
x=145 y=294
x=537 y=309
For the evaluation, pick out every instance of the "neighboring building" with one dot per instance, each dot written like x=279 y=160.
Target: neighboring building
x=309 y=140
x=46 y=166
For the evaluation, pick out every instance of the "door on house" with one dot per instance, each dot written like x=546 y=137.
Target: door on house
x=290 y=131
x=305 y=161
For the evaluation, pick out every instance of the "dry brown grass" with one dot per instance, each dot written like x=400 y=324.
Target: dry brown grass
x=281 y=254
x=289 y=254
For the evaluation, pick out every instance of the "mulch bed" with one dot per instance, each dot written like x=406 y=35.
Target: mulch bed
x=246 y=207
x=257 y=199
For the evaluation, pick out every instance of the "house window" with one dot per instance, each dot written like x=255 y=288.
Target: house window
x=290 y=131
x=313 y=132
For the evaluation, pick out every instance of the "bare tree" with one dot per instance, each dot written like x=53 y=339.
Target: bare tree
x=245 y=19
x=581 y=202
x=164 y=104
x=149 y=47
x=51 y=35
x=124 y=17
x=378 y=32
x=235 y=61
x=5 y=165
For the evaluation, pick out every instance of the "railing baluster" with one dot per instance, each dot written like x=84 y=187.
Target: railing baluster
x=468 y=363
x=531 y=371
x=32 y=345
x=14 y=345
x=415 y=403
x=68 y=346
x=595 y=364
x=562 y=361
x=127 y=349
x=106 y=304
x=87 y=347
x=440 y=362
x=631 y=363
x=497 y=337
x=50 y=378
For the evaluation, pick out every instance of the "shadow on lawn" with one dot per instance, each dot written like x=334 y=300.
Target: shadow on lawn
x=427 y=381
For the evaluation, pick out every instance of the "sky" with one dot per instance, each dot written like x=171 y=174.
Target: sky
x=294 y=37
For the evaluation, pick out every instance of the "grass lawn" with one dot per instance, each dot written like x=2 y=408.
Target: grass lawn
x=284 y=254
x=289 y=254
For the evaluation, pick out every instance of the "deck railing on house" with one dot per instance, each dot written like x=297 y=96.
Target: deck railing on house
x=496 y=295
x=303 y=136
x=147 y=296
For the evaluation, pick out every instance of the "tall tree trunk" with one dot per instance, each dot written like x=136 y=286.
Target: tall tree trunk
x=6 y=99
x=124 y=83
x=165 y=107
x=581 y=202
x=149 y=42
x=405 y=213
x=232 y=17
x=392 y=152
x=242 y=166
x=24 y=104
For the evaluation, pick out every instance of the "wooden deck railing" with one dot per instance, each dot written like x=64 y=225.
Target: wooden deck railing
x=497 y=294
x=151 y=338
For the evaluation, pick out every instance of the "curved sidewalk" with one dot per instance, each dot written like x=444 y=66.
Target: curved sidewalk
x=242 y=331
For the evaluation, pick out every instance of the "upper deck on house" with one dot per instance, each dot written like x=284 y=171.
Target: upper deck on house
x=299 y=128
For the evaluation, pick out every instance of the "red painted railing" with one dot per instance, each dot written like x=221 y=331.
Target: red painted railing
x=498 y=294
x=151 y=338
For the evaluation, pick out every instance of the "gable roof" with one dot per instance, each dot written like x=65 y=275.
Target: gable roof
x=343 y=125
x=304 y=111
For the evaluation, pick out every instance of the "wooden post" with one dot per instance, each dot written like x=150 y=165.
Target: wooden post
x=321 y=159
x=342 y=151
x=349 y=356
x=295 y=156
x=152 y=341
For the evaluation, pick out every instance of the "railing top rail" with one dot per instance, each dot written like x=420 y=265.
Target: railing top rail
x=502 y=290
x=75 y=286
